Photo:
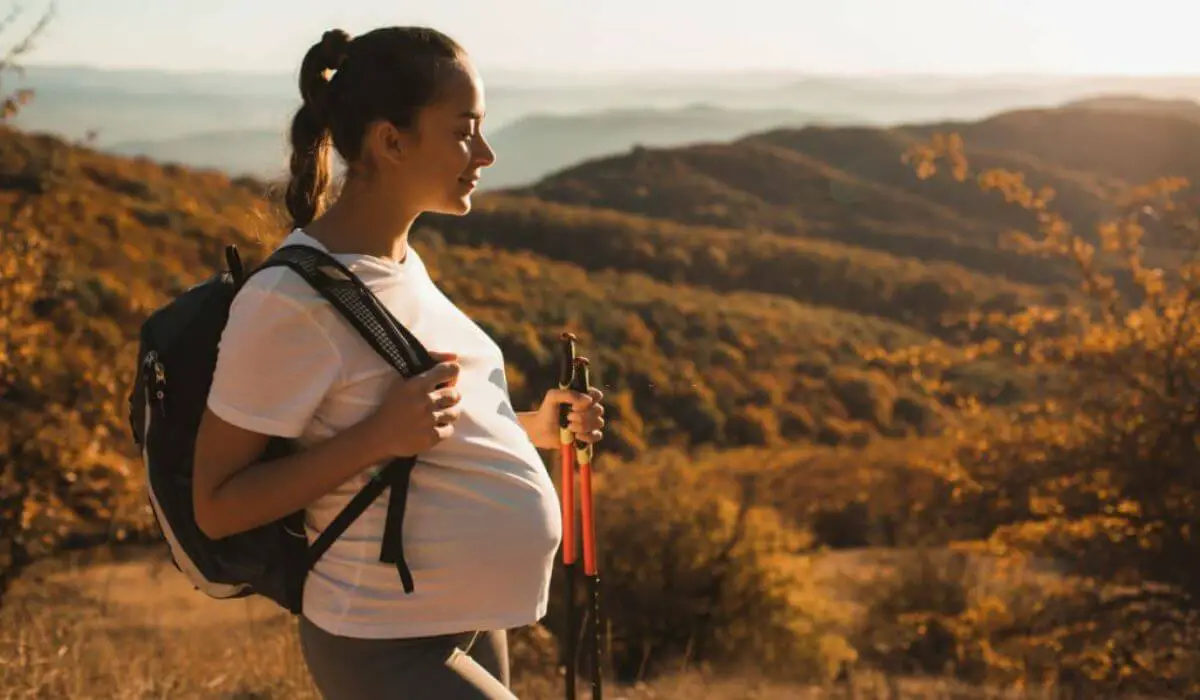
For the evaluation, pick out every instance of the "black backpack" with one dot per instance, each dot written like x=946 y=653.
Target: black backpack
x=176 y=359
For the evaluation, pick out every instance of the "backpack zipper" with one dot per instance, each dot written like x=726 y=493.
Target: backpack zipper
x=157 y=390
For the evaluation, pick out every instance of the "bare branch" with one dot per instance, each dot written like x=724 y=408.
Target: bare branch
x=11 y=104
x=8 y=21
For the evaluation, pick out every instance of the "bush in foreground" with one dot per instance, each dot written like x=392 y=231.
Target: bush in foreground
x=695 y=573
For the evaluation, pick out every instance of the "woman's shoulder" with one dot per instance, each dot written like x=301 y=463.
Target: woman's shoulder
x=276 y=305
x=279 y=286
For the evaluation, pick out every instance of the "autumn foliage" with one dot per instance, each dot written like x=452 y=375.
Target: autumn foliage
x=1097 y=481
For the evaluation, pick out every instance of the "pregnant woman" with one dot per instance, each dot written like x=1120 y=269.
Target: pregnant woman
x=403 y=109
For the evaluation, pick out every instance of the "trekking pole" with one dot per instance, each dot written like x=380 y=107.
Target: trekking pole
x=565 y=379
x=584 y=452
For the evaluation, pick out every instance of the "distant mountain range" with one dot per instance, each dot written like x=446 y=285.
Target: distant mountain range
x=257 y=152
x=539 y=123
x=528 y=149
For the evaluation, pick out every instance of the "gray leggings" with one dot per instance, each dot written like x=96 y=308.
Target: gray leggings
x=467 y=666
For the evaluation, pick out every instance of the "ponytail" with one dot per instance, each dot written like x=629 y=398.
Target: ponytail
x=311 y=171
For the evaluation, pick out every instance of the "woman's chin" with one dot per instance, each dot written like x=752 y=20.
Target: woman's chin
x=455 y=206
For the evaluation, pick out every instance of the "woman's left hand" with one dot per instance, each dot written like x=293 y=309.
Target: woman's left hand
x=586 y=419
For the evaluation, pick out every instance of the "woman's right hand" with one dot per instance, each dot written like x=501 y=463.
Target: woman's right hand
x=418 y=412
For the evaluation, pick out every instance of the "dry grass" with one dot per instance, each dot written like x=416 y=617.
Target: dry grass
x=698 y=686
x=135 y=629
x=129 y=627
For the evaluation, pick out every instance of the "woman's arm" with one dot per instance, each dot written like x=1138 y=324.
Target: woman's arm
x=233 y=493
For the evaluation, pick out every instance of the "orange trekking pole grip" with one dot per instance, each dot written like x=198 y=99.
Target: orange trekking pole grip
x=584 y=453
x=567 y=449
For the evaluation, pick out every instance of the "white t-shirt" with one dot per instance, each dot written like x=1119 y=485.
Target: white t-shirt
x=482 y=523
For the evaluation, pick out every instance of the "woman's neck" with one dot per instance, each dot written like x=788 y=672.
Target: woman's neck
x=362 y=222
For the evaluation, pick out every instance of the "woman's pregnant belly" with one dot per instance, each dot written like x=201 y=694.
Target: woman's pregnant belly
x=481 y=529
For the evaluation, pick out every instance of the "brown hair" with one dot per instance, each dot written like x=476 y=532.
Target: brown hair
x=388 y=73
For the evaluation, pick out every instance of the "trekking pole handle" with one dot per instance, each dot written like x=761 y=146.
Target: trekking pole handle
x=566 y=368
x=582 y=383
x=566 y=376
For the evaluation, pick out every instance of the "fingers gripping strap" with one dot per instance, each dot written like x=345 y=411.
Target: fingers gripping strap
x=361 y=308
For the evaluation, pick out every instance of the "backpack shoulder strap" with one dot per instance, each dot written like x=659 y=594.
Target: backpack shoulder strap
x=401 y=349
x=347 y=293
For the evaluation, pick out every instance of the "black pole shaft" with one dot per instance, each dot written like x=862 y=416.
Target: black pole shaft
x=597 y=639
x=572 y=632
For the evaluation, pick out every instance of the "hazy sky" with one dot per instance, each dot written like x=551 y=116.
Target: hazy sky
x=827 y=36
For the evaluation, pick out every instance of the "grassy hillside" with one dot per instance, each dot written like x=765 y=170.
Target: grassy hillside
x=761 y=186
x=820 y=272
x=877 y=155
x=91 y=246
x=1139 y=145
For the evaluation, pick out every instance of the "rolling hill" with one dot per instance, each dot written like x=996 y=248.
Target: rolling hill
x=850 y=186
x=540 y=144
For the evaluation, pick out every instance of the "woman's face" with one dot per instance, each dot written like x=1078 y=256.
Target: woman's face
x=444 y=154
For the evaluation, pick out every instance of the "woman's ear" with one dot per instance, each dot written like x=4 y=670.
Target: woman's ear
x=385 y=142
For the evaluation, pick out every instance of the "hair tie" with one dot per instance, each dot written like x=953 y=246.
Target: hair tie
x=335 y=44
